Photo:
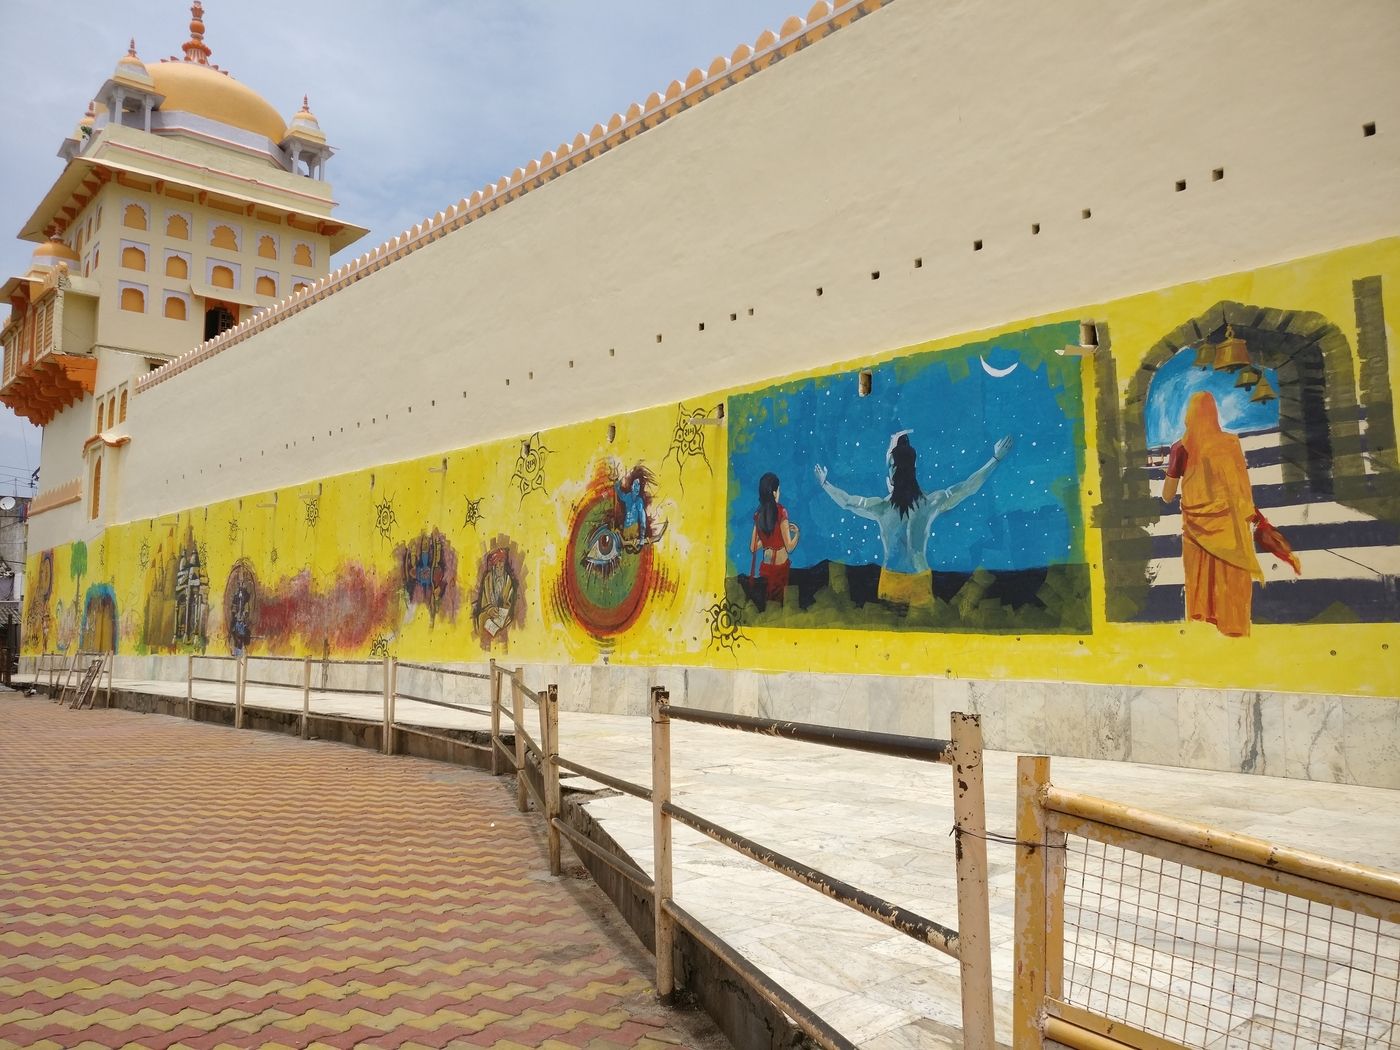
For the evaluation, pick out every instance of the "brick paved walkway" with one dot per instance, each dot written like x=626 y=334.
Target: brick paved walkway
x=166 y=883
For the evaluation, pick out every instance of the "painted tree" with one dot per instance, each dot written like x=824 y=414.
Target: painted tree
x=77 y=568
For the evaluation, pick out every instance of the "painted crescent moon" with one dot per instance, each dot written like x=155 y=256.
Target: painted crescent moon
x=998 y=373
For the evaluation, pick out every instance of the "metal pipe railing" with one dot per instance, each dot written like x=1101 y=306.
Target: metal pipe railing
x=616 y=783
x=909 y=923
x=1355 y=878
x=622 y=865
x=919 y=748
x=454 y=672
x=442 y=703
x=970 y=943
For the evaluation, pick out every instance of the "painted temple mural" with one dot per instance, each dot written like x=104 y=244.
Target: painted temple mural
x=1259 y=481
x=1214 y=484
x=177 y=595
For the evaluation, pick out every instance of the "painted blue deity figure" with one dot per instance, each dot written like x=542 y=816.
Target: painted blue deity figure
x=906 y=516
x=634 y=511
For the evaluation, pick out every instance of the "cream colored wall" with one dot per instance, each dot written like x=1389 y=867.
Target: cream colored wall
x=154 y=332
x=61 y=461
x=897 y=138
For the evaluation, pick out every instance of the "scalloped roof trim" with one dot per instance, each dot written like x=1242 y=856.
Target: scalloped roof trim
x=796 y=33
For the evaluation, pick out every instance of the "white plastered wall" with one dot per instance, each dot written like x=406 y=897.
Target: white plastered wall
x=909 y=134
x=60 y=462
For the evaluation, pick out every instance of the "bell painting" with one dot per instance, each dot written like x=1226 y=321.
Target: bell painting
x=938 y=491
x=1262 y=494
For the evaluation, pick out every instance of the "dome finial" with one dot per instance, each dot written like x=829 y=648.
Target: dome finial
x=196 y=50
x=305 y=104
x=131 y=48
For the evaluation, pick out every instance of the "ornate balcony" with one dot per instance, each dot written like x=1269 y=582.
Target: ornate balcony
x=43 y=373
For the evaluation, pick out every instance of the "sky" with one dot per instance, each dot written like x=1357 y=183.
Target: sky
x=1179 y=378
x=424 y=101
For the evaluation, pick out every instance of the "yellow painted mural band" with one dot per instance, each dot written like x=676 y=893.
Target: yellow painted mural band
x=390 y=559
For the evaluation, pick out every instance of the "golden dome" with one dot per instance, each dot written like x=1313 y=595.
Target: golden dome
x=191 y=87
x=55 y=250
x=131 y=69
x=305 y=125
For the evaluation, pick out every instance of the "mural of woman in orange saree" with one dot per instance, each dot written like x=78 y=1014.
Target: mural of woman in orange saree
x=1217 y=506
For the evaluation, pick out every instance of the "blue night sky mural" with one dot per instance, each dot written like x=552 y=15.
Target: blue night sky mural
x=957 y=403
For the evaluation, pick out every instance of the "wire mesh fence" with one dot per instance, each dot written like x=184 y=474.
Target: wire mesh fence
x=1209 y=961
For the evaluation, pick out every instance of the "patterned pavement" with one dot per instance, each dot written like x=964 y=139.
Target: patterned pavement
x=166 y=883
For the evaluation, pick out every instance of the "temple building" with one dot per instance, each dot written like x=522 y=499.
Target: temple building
x=186 y=203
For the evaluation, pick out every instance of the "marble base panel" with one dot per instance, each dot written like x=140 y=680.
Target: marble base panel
x=1303 y=736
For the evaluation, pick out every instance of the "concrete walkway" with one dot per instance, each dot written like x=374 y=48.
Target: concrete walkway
x=171 y=883
x=883 y=825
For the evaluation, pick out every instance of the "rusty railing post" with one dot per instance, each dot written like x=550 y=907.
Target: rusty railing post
x=306 y=699
x=495 y=718
x=974 y=921
x=1032 y=775
x=391 y=688
x=661 y=841
x=517 y=707
x=240 y=686
x=549 y=772
x=1056 y=861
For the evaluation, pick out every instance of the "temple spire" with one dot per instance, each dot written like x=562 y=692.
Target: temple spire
x=196 y=50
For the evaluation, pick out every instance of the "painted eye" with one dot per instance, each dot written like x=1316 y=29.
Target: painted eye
x=604 y=548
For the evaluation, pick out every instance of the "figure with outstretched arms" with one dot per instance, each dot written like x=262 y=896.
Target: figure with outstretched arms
x=906 y=516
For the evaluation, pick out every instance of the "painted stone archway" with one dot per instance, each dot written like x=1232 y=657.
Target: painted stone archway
x=1328 y=470
x=99 y=624
x=1319 y=432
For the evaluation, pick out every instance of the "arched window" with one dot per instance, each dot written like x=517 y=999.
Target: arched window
x=134 y=300
x=121 y=406
x=267 y=246
x=96 y=257
x=134 y=217
x=266 y=285
x=96 y=489
x=111 y=411
x=221 y=277
x=133 y=258
x=82 y=239
x=174 y=309
x=301 y=255
x=177 y=226
x=176 y=266
x=224 y=236
x=300 y=286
